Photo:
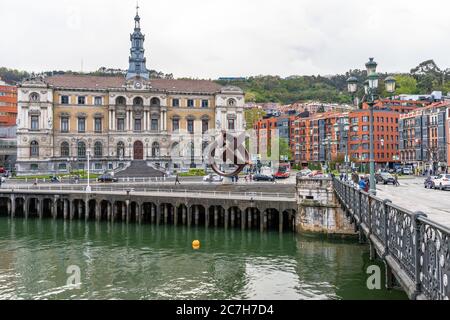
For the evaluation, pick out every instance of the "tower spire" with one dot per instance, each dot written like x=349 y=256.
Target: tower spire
x=137 y=59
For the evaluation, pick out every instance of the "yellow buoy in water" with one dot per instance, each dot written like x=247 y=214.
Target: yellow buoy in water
x=195 y=244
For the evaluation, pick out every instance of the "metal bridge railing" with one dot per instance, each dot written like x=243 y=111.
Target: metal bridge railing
x=418 y=245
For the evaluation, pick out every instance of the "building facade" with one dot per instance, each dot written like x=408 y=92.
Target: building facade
x=8 y=104
x=424 y=135
x=114 y=120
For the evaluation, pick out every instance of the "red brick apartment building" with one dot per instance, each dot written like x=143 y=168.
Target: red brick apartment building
x=8 y=105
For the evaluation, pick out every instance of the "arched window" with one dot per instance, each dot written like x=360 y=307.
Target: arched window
x=34 y=97
x=155 y=102
x=155 y=149
x=65 y=149
x=98 y=149
x=120 y=149
x=175 y=150
x=138 y=101
x=121 y=101
x=34 y=149
x=81 y=149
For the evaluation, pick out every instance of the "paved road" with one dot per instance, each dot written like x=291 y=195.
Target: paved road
x=413 y=196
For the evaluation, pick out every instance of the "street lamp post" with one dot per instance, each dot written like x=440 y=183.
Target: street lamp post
x=88 y=187
x=370 y=89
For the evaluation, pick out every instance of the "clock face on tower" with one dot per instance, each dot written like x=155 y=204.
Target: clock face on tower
x=137 y=85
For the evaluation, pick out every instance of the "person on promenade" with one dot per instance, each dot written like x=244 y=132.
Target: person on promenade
x=177 y=179
x=396 y=180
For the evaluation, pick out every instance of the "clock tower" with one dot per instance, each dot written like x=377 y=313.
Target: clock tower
x=137 y=67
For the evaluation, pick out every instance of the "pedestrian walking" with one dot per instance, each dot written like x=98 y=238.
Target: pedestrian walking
x=177 y=179
x=396 y=180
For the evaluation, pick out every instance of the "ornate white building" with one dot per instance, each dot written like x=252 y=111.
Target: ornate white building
x=117 y=120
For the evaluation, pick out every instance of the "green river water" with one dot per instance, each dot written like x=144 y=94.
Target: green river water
x=119 y=261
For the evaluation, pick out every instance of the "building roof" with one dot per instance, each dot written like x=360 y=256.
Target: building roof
x=107 y=82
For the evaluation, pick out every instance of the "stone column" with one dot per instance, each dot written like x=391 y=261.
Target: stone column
x=27 y=206
x=166 y=213
x=108 y=211
x=161 y=119
x=38 y=207
x=158 y=214
x=183 y=215
x=189 y=217
x=9 y=206
x=216 y=216
x=249 y=215
x=197 y=213
x=152 y=213
x=55 y=209
x=262 y=220
x=280 y=227
x=65 y=208
x=115 y=210
x=233 y=216
x=243 y=219
x=226 y=218
x=128 y=211
x=141 y=212
x=86 y=211
x=124 y=211
x=80 y=208
x=13 y=206
x=41 y=208
x=98 y=210
x=207 y=217
x=175 y=213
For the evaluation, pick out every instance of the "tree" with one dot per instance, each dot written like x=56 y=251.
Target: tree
x=405 y=84
x=252 y=116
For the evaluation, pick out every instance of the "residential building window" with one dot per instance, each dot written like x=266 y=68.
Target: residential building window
x=154 y=125
x=62 y=167
x=81 y=100
x=65 y=124
x=365 y=128
x=176 y=102
x=34 y=167
x=120 y=124
x=190 y=126
x=175 y=124
x=205 y=103
x=190 y=103
x=98 y=149
x=205 y=126
x=34 y=123
x=231 y=124
x=98 y=166
x=81 y=125
x=65 y=149
x=137 y=124
x=98 y=101
x=98 y=125
x=81 y=149
x=34 y=149
x=64 y=99
x=365 y=119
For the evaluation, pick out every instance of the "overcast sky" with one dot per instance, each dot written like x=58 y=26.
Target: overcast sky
x=212 y=38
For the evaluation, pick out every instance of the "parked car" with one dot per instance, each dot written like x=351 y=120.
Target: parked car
x=212 y=178
x=429 y=182
x=55 y=179
x=407 y=170
x=385 y=178
x=442 y=182
x=107 y=178
x=263 y=177
x=305 y=172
